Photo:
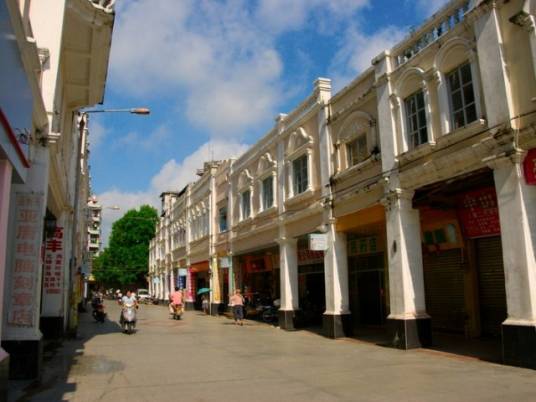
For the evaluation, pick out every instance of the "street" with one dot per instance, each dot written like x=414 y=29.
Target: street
x=202 y=358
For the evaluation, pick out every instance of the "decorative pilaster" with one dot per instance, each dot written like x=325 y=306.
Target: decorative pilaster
x=288 y=254
x=517 y=212
x=409 y=324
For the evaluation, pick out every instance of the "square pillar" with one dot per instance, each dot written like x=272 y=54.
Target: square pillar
x=289 y=310
x=409 y=325
x=517 y=214
x=337 y=319
x=215 y=295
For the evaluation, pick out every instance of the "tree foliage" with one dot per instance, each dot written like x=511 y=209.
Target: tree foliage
x=125 y=261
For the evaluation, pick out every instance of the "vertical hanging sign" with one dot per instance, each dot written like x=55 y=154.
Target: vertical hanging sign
x=53 y=275
x=22 y=311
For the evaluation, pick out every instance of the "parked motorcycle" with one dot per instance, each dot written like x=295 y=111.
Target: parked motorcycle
x=129 y=318
x=270 y=314
x=98 y=310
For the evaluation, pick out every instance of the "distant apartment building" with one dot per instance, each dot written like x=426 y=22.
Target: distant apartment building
x=94 y=214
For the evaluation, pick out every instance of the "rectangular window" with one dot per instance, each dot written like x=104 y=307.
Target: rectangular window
x=416 y=120
x=222 y=218
x=299 y=172
x=246 y=204
x=462 y=96
x=356 y=150
x=267 y=193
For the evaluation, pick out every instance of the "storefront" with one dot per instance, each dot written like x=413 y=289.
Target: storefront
x=367 y=277
x=462 y=256
x=199 y=279
x=311 y=283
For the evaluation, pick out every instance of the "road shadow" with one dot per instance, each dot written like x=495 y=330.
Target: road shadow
x=62 y=359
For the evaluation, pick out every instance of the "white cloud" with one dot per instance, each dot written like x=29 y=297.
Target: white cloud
x=212 y=52
x=358 y=50
x=97 y=133
x=173 y=176
x=429 y=7
x=289 y=15
x=148 y=142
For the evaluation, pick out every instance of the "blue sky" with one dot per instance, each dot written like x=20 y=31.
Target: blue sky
x=215 y=74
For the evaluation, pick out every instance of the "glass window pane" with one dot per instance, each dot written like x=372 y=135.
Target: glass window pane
x=465 y=71
x=457 y=102
x=454 y=81
x=470 y=113
x=459 y=119
x=423 y=133
x=420 y=100
x=468 y=94
x=422 y=118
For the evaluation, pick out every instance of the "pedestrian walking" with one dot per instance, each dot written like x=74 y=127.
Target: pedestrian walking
x=204 y=303
x=237 y=303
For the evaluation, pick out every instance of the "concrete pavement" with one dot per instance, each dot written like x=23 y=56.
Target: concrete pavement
x=202 y=358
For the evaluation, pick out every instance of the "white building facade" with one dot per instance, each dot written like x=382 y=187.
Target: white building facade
x=420 y=177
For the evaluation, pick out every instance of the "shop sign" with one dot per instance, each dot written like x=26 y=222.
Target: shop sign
x=479 y=213
x=224 y=262
x=27 y=246
x=306 y=256
x=182 y=272
x=156 y=280
x=318 y=241
x=529 y=167
x=53 y=275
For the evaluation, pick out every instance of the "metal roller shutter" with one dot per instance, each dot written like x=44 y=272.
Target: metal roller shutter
x=444 y=287
x=492 y=293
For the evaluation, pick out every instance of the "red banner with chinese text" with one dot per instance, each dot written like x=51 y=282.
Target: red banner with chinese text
x=479 y=213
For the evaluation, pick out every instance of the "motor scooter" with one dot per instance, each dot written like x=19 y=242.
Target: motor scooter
x=177 y=311
x=98 y=310
x=129 y=318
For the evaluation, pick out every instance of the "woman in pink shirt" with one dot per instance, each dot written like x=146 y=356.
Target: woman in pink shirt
x=237 y=302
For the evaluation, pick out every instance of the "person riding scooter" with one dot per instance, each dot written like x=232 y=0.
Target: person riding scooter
x=127 y=319
x=175 y=305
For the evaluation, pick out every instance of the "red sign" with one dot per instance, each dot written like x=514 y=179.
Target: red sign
x=53 y=268
x=479 y=213
x=529 y=167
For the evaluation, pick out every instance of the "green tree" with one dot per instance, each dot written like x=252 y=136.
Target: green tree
x=125 y=261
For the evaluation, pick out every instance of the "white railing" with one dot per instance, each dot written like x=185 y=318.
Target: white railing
x=439 y=29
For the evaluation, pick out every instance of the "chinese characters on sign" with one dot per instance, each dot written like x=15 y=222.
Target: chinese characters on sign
x=28 y=211
x=53 y=270
x=479 y=213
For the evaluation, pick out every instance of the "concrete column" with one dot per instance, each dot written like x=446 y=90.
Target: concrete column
x=5 y=193
x=172 y=280
x=166 y=285
x=288 y=261
x=409 y=324
x=517 y=213
x=215 y=295
x=337 y=317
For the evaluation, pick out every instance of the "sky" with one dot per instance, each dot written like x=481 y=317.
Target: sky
x=215 y=73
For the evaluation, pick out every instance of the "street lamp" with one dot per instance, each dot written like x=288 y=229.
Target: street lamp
x=82 y=125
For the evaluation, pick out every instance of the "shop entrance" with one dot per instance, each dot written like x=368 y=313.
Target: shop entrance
x=463 y=266
x=367 y=290
x=312 y=292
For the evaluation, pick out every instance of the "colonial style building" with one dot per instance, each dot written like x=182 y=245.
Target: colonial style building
x=420 y=177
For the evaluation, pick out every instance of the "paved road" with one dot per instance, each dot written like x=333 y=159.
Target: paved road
x=205 y=358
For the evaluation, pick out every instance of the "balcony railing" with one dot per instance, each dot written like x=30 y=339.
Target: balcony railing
x=438 y=29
